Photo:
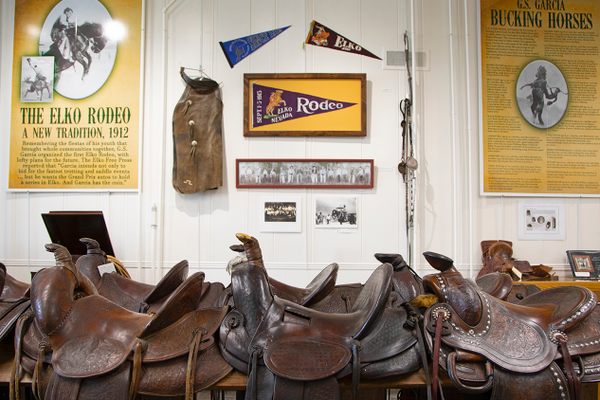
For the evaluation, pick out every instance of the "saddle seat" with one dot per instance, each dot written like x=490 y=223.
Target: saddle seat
x=318 y=288
x=132 y=295
x=497 y=284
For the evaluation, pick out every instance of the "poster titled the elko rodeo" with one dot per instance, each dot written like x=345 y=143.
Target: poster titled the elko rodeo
x=76 y=95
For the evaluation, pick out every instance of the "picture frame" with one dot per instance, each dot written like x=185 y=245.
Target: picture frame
x=541 y=220
x=585 y=264
x=304 y=173
x=305 y=104
x=336 y=212
x=280 y=214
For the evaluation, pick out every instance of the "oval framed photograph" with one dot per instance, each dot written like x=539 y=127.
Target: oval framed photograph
x=82 y=37
x=542 y=94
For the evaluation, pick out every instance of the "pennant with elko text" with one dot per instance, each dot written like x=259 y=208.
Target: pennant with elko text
x=237 y=49
x=322 y=36
x=273 y=105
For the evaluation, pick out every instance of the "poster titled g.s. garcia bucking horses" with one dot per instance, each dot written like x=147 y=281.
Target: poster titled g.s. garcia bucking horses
x=76 y=95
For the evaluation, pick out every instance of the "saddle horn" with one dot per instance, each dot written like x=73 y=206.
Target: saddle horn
x=439 y=261
x=62 y=256
x=252 y=248
x=92 y=245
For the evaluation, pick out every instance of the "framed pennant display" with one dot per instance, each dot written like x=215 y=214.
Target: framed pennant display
x=305 y=105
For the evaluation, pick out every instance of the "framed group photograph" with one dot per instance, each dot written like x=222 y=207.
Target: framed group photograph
x=336 y=212
x=584 y=263
x=305 y=105
x=280 y=214
x=304 y=173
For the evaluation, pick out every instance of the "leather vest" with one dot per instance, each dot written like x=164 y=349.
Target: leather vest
x=198 y=137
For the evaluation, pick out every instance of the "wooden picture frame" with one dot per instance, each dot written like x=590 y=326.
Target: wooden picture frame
x=304 y=173
x=305 y=105
x=585 y=264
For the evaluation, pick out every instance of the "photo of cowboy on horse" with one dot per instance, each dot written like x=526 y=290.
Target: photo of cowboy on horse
x=74 y=33
x=37 y=79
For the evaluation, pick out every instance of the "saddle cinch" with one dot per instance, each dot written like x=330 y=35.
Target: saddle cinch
x=98 y=350
x=138 y=296
x=293 y=352
x=541 y=348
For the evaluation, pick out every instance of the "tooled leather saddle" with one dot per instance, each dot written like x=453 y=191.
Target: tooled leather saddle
x=294 y=352
x=523 y=350
x=98 y=350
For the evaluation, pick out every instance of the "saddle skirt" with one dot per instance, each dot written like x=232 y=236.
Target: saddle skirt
x=511 y=342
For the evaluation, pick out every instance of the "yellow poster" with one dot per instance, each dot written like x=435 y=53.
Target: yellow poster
x=540 y=115
x=76 y=94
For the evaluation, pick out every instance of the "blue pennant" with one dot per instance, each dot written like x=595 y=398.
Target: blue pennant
x=237 y=49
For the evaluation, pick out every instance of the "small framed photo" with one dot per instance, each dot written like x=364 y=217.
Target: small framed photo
x=37 y=79
x=304 y=173
x=280 y=214
x=585 y=264
x=541 y=220
x=336 y=212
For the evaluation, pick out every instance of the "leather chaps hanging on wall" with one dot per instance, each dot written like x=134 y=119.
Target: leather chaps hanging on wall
x=198 y=137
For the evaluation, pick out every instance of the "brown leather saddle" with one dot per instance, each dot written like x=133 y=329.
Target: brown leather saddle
x=322 y=293
x=290 y=351
x=482 y=341
x=138 y=296
x=100 y=350
x=497 y=256
x=14 y=300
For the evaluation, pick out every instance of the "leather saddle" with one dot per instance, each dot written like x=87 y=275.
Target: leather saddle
x=138 y=296
x=497 y=256
x=322 y=293
x=14 y=301
x=294 y=352
x=100 y=350
x=481 y=340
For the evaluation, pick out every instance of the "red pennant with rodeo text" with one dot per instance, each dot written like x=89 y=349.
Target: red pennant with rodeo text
x=322 y=36
x=273 y=105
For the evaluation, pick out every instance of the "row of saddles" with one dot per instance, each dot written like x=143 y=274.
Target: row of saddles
x=80 y=334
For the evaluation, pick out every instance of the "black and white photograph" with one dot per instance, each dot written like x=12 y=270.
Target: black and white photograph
x=37 y=79
x=82 y=37
x=270 y=173
x=336 y=212
x=280 y=214
x=542 y=94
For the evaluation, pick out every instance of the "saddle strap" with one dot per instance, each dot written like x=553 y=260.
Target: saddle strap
x=15 y=373
x=355 y=370
x=136 y=371
x=415 y=323
x=572 y=377
x=437 y=343
x=190 y=375
x=37 y=371
x=251 y=388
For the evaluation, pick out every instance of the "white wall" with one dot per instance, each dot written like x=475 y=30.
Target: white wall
x=157 y=227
